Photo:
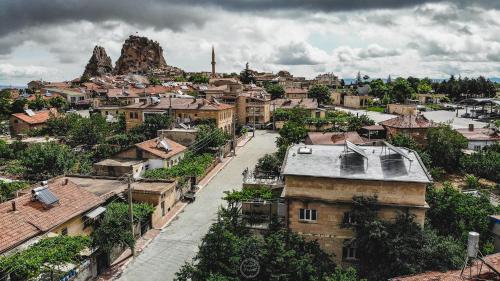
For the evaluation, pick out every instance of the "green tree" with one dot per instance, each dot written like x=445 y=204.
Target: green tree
x=5 y=103
x=445 y=147
x=154 y=80
x=424 y=87
x=340 y=274
x=455 y=213
x=210 y=136
x=292 y=132
x=401 y=90
x=114 y=228
x=88 y=131
x=268 y=163
x=153 y=123
x=247 y=75
x=38 y=103
x=275 y=90
x=484 y=163
x=8 y=189
x=18 y=105
x=321 y=93
x=45 y=160
x=378 y=88
x=58 y=102
x=45 y=256
x=199 y=79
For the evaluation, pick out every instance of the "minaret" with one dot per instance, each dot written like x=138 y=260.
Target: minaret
x=213 y=62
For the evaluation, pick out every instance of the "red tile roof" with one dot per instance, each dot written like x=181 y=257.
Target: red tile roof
x=295 y=91
x=409 y=121
x=306 y=103
x=32 y=219
x=40 y=117
x=151 y=146
x=480 y=134
x=485 y=273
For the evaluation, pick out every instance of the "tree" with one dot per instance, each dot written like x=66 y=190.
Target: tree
x=455 y=213
x=424 y=87
x=18 y=105
x=88 y=131
x=401 y=90
x=114 y=228
x=45 y=256
x=45 y=160
x=275 y=90
x=378 y=88
x=292 y=132
x=398 y=247
x=5 y=103
x=445 y=147
x=154 y=80
x=358 y=79
x=152 y=124
x=340 y=274
x=210 y=136
x=58 y=102
x=484 y=163
x=269 y=164
x=321 y=93
x=38 y=103
x=247 y=75
x=199 y=79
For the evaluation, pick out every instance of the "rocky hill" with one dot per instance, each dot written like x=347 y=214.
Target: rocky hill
x=140 y=55
x=99 y=64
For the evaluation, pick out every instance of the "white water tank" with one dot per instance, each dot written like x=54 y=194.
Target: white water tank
x=473 y=244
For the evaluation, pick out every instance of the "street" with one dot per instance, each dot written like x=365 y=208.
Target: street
x=178 y=242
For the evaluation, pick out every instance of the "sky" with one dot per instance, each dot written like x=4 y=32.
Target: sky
x=53 y=39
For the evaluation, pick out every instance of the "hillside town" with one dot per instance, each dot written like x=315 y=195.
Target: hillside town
x=140 y=170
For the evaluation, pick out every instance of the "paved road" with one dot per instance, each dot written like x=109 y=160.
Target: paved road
x=440 y=116
x=179 y=242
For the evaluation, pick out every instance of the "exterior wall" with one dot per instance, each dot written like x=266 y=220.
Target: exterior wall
x=18 y=126
x=328 y=229
x=244 y=110
x=184 y=137
x=154 y=161
x=336 y=98
x=335 y=190
x=75 y=226
x=479 y=144
x=296 y=95
x=402 y=109
x=168 y=198
x=116 y=171
x=356 y=101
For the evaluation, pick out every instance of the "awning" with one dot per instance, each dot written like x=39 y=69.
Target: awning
x=95 y=213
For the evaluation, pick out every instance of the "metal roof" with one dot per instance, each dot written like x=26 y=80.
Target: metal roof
x=95 y=213
x=330 y=161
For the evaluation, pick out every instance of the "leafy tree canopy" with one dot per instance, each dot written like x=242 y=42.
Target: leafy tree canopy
x=445 y=147
x=321 y=93
x=45 y=160
x=275 y=90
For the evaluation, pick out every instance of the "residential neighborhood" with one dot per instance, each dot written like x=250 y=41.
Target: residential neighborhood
x=204 y=159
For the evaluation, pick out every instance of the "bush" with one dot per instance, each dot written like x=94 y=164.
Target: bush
x=485 y=163
x=45 y=160
x=445 y=147
x=191 y=166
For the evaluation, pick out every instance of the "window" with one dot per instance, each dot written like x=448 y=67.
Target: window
x=347 y=220
x=131 y=115
x=64 y=232
x=307 y=215
x=477 y=147
x=136 y=115
x=349 y=252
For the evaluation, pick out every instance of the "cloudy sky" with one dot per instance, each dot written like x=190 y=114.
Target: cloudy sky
x=53 y=39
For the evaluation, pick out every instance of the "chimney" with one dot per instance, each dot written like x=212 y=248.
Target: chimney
x=471 y=127
x=14 y=209
x=65 y=181
x=472 y=244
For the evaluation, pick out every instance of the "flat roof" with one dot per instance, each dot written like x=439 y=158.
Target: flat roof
x=332 y=161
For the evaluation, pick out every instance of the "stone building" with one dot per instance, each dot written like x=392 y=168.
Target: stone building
x=415 y=126
x=252 y=105
x=182 y=110
x=320 y=182
x=21 y=123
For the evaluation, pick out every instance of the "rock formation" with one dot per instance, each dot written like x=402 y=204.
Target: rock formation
x=140 y=55
x=99 y=64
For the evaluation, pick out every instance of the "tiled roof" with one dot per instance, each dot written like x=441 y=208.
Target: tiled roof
x=32 y=219
x=306 y=103
x=483 y=134
x=182 y=103
x=409 y=121
x=484 y=274
x=40 y=117
x=333 y=138
x=151 y=146
x=295 y=91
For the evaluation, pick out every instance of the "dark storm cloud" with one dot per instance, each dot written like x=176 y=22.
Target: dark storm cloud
x=19 y=14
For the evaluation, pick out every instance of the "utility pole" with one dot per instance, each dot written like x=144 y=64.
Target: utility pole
x=274 y=114
x=130 y=209
x=253 y=135
x=234 y=133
